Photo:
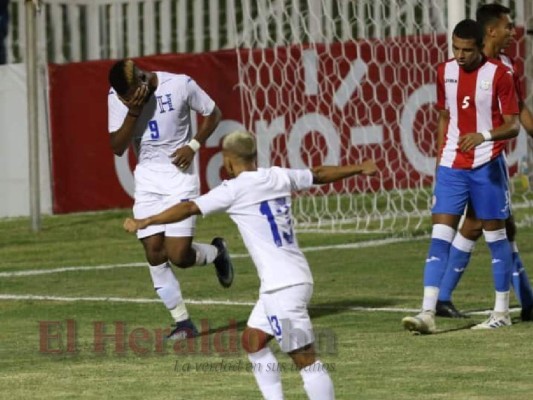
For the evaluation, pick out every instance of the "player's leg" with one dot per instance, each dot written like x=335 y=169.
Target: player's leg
x=520 y=280
x=185 y=253
x=450 y=198
x=167 y=287
x=490 y=199
x=265 y=366
x=460 y=252
x=286 y=310
x=165 y=283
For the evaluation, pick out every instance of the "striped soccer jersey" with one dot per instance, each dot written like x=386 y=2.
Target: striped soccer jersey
x=476 y=101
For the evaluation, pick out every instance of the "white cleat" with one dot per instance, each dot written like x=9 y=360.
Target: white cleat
x=496 y=320
x=422 y=323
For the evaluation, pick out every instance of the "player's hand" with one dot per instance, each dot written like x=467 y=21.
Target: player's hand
x=133 y=225
x=183 y=157
x=470 y=140
x=136 y=103
x=369 y=168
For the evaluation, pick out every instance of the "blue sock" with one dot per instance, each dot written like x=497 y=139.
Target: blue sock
x=521 y=285
x=457 y=263
x=502 y=259
x=436 y=262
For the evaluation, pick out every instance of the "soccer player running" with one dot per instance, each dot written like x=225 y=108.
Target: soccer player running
x=153 y=110
x=498 y=31
x=478 y=111
x=258 y=200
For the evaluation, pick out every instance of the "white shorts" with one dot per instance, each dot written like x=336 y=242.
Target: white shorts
x=158 y=187
x=283 y=314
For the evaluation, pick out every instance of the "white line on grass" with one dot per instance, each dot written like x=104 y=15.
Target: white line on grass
x=24 y=297
x=360 y=245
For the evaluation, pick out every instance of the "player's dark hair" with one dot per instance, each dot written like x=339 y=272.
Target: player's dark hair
x=489 y=13
x=469 y=29
x=118 y=78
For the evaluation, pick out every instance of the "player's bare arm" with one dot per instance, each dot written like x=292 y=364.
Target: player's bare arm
x=508 y=130
x=329 y=173
x=442 y=124
x=526 y=119
x=183 y=156
x=176 y=213
x=121 y=139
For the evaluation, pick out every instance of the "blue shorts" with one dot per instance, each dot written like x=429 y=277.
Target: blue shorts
x=486 y=188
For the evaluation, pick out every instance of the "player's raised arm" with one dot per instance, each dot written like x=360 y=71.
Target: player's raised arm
x=176 y=213
x=328 y=173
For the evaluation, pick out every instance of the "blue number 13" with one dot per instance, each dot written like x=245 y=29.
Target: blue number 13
x=154 y=129
x=283 y=212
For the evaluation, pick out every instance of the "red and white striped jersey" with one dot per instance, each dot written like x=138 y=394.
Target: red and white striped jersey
x=476 y=101
x=509 y=62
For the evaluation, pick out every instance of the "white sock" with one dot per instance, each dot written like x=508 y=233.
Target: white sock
x=205 y=253
x=179 y=313
x=317 y=382
x=501 y=305
x=431 y=295
x=266 y=373
x=168 y=289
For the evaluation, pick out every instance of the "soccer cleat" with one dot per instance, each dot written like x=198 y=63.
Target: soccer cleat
x=496 y=320
x=423 y=323
x=446 y=309
x=527 y=313
x=183 y=330
x=223 y=263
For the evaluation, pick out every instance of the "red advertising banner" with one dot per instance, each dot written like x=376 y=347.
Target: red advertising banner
x=324 y=104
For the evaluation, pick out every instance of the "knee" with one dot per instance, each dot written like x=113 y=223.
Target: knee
x=304 y=356
x=510 y=227
x=472 y=229
x=181 y=257
x=254 y=340
x=155 y=256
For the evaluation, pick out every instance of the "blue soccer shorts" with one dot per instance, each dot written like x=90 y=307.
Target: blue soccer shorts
x=485 y=187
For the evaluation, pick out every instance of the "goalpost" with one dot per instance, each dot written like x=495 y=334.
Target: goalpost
x=334 y=81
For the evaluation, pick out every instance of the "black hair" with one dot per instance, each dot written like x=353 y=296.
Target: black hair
x=489 y=13
x=117 y=77
x=469 y=29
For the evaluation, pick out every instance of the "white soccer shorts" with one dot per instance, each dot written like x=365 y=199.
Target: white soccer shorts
x=283 y=314
x=158 y=189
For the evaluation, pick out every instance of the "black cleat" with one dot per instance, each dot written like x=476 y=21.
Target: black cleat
x=447 y=309
x=527 y=313
x=223 y=263
x=182 y=330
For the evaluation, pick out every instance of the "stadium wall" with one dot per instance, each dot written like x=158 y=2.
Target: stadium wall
x=381 y=115
x=14 y=164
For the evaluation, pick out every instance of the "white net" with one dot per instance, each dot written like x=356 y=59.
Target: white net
x=334 y=82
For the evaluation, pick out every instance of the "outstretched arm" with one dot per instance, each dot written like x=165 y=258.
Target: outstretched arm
x=176 y=213
x=328 y=174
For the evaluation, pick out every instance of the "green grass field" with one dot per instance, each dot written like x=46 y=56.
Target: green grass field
x=359 y=297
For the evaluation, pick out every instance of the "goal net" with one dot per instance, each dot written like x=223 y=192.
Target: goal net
x=337 y=82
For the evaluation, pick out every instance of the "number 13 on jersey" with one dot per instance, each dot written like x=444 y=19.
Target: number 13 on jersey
x=277 y=212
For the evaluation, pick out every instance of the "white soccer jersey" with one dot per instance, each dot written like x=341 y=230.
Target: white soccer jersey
x=165 y=122
x=259 y=202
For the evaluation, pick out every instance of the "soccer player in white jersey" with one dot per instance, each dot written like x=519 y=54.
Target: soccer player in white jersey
x=258 y=200
x=498 y=30
x=153 y=110
x=478 y=111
